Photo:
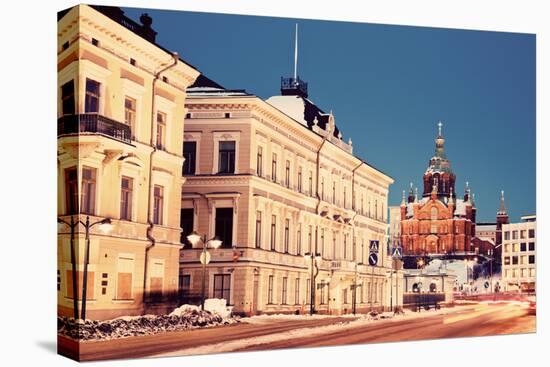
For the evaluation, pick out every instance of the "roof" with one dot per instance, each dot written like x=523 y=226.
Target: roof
x=302 y=110
x=142 y=30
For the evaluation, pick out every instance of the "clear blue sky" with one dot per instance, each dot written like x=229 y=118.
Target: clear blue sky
x=388 y=86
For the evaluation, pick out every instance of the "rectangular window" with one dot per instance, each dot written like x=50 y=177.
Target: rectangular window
x=299 y=240
x=161 y=130
x=310 y=183
x=531 y=246
x=514 y=235
x=258 y=229
x=91 y=102
x=507 y=235
x=507 y=247
x=345 y=295
x=531 y=259
x=287 y=174
x=345 y=246
x=284 y=291
x=514 y=260
x=531 y=233
x=129 y=111
x=523 y=234
x=87 y=204
x=321 y=287
x=273 y=234
x=300 y=179
x=224 y=226
x=270 y=290
x=222 y=287
x=297 y=291
x=158 y=204
x=310 y=239
x=322 y=247
x=260 y=161
x=126 y=188
x=184 y=287
x=523 y=247
x=274 y=167
x=156 y=280
x=334 y=246
x=67 y=98
x=125 y=269
x=190 y=156
x=344 y=194
x=287 y=235
x=187 y=217
x=226 y=157
x=507 y=260
x=71 y=191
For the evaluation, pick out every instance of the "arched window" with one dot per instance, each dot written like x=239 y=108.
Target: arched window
x=434 y=213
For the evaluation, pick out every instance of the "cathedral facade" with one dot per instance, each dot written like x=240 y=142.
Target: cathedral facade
x=440 y=223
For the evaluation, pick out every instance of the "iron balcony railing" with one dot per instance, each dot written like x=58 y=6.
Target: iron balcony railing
x=93 y=123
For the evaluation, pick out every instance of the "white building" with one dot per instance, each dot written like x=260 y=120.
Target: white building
x=519 y=255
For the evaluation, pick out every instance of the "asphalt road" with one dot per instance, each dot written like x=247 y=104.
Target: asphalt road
x=476 y=320
x=481 y=320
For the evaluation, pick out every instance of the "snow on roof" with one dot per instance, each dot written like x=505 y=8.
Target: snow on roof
x=460 y=207
x=410 y=211
x=486 y=227
x=212 y=91
x=293 y=106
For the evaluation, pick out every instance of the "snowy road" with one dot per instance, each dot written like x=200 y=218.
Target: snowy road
x=288 y=332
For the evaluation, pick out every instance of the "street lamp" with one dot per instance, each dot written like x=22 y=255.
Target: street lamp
x=314 y=271
x=354 y=304
x=72 y=224
x=194 y=238
x=105 y=226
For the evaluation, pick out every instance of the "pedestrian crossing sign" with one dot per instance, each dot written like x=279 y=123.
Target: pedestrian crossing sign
x=397 y=252
x=373 y=246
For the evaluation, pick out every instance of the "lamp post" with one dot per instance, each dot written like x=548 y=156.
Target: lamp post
x=354 y=304
x=72 y=225
x=314 y=271
x=105 y=226
x=214 y=243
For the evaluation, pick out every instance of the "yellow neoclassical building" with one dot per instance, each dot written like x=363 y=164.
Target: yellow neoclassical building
x=275 y=181
x=120 y=128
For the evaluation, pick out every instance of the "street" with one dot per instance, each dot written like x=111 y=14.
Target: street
x=461 y=321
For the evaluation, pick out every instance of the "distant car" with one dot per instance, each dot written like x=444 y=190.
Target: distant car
x=532 y=309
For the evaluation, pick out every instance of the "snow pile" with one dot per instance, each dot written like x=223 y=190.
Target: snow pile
x=218 y=306
x=183 y=318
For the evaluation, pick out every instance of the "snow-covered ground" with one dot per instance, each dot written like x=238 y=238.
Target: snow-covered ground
x=182 y=318
x=358 y=320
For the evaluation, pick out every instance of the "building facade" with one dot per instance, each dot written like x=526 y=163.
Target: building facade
x=519 y=255
x=277 y=183
x=120 y=139
x=439 y=223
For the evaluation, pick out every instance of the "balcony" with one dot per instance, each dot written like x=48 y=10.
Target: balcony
x=93 y=123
